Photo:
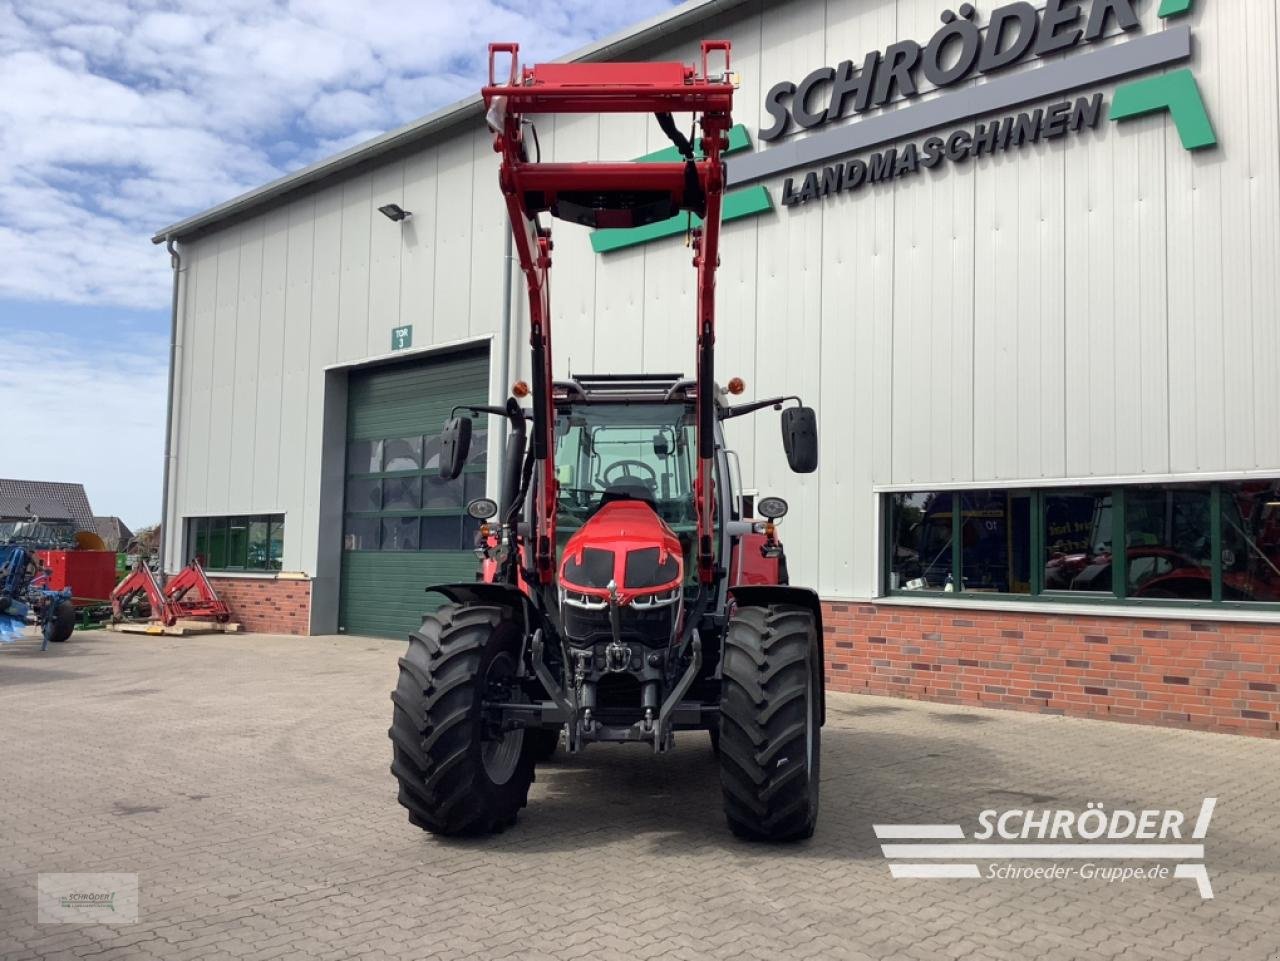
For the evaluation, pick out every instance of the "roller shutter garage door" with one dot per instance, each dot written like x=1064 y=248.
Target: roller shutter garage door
x=403 y=527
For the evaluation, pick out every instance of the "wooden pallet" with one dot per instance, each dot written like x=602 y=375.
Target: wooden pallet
x=184 y=628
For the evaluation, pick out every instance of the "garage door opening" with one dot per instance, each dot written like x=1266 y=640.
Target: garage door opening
x=405 y=528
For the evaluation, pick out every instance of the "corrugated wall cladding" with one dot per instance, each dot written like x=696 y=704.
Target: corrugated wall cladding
x=1100 y=306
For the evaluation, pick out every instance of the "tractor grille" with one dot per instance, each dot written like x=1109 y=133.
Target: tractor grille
x=650 y=627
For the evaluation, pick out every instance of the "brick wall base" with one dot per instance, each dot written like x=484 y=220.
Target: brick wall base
x=266 y=605
x=1216 y=676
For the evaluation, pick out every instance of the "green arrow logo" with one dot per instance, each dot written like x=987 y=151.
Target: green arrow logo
x=1176 y=92
x=1174 y=8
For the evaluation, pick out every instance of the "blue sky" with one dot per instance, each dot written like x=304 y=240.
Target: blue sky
x=119 y=118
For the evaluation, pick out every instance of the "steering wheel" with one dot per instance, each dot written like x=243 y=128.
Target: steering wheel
x=626 y=473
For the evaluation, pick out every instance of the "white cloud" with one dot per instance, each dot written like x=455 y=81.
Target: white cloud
x=85 y=422
x=338 y=113
x=120 y=117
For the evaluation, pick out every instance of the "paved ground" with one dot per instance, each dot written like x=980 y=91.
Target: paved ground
x=245 y=781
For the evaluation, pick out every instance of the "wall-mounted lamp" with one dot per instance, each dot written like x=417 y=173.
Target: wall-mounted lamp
x=394 y=212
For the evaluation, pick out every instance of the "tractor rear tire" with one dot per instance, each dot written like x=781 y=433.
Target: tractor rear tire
x=771 y=723
x=455 y=777
x=61 y=623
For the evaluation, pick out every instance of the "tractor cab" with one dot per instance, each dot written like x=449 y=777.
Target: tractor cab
x=633 y=441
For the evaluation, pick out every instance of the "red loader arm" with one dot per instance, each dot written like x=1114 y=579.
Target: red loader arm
x=611 y=195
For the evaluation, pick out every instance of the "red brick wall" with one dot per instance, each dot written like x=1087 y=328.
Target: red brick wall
x=1217 y=676
x=266 y=605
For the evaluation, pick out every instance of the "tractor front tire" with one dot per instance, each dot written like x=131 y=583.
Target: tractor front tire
x=457 y=776
x=61 y=622
x=770 y=723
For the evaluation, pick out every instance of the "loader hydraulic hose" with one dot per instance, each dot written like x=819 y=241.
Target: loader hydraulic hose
x=695 y=199
x=668 y=125
x=540 y=399
x=513 y=458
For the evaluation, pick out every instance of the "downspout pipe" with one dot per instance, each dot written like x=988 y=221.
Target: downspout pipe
x=175 y=262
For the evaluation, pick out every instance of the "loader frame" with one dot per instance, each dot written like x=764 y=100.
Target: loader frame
x=529 y=187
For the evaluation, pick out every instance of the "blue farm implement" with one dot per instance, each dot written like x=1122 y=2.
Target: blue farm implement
x=25 y=597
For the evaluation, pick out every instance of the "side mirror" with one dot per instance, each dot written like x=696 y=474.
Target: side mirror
x=455 y=444
x=800 y=439
x=661 y=446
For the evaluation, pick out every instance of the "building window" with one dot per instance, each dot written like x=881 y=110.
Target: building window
x=1075 y=534
x=1194 y=544
x=397 y=501
x=250 y=542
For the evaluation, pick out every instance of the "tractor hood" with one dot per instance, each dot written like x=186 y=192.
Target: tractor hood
x=625 y=542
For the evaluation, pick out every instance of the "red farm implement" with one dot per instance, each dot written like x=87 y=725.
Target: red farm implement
x=187 y=595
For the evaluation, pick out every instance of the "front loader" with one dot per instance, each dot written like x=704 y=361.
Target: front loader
x=624 y=593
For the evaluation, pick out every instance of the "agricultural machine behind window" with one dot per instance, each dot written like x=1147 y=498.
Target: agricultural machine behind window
x=624 y=595
x=25 y=594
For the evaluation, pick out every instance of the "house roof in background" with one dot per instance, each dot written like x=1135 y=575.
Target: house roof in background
x=113 y=531
x=419 y=131
x=49 y=500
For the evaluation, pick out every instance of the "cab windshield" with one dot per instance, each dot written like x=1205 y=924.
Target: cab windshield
x=645 y=451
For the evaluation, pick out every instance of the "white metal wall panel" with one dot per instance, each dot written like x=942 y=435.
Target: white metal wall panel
x=1144 y=355
x=387 y=244
x=353 y=271
x=193 y=428
x=325 y=326
x=789 y=298
x=668 y=304
x=618 y=278
x=295 y=396
x=268 y=398
x=736 y=288
x=453 y=267
x=573 y=286
x=1261 y=24
x=243 y=413
x=857 y=292
x=1226 y=61
x=488 y=230
x=418 y=259
x=225 y=359
x=1101 y=306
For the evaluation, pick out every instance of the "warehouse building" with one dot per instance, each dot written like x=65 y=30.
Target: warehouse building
x=1023 y=259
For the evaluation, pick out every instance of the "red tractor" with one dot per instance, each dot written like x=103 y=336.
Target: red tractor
x=623 y=595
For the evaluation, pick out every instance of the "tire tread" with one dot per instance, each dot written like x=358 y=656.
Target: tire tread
x=433 y=727
x=768 y=654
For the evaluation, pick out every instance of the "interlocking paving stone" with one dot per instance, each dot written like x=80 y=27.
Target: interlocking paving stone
x=244 y=779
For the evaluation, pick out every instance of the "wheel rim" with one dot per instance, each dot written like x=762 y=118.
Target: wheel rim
x=500 y=756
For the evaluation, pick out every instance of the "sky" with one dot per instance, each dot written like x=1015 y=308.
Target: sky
x=119 y=118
